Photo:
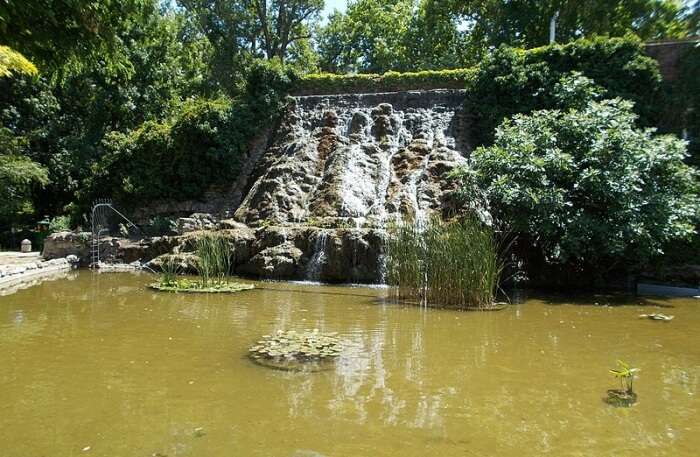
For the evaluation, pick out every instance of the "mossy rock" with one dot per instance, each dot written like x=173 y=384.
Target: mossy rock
x=620 y=398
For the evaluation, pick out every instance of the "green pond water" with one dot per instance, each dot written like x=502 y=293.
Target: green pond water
x=98 y=365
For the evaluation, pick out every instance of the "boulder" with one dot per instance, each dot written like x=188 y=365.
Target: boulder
x=278 y=262
x=62 y=244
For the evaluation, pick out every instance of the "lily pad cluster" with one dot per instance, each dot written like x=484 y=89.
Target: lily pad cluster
x=293 y=346
x=189 y=286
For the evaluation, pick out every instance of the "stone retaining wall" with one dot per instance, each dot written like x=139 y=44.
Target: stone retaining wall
x=14 y=276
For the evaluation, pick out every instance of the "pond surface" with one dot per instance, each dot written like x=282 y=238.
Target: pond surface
x=97 y=365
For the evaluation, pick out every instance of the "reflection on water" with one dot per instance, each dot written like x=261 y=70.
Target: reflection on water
x=101 y=362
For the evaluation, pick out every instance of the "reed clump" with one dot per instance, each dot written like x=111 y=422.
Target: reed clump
x=444 y=264
x=213 y=264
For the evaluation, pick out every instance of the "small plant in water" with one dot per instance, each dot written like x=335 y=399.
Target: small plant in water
x=625 y=396
x=170 y=270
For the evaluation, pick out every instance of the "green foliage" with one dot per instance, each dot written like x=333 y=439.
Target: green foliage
x=686 y=95
x=213 y=262
x=626 y=374
x=59 y=224
x=177 y=159
x=408 y=35
x=512 y=81
x=170 y=269
x=19 y=177
x=242 y=31
x=12 y=62
x=369 y=37
x=525 y=23
x=451 y=265
x=586 y=188
x=202 y=145
x=267 y=86
x=326 y=83
x=63 y=35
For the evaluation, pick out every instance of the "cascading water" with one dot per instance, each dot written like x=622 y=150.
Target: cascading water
x=342 y=167
x=315 y=266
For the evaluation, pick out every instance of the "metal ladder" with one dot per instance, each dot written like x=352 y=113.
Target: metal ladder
x=101 y=209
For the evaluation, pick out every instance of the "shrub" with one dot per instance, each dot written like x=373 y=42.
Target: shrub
x=203 y=145
x=327 y=83
x=515 y=81
x=12 y=62
x=19 y=176
x=586 y=188
x=452 y=265
x=59 y=224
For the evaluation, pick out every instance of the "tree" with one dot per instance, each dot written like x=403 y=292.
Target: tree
x=19 y=177
x=526 y=22
x=258 y=28
x=369 y=37
x=587 y=189
x=283 y=22
x=434 y=40
x=69 y=33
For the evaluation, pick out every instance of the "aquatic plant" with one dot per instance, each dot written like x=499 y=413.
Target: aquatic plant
x=213 y=262
x=625 y=396
x=447 y=264
x=292 y=350
x=626 y=374
x=186 y=285
x=170 y=269
x=309 y=345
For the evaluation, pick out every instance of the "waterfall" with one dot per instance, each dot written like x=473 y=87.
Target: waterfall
x=318 y=260
x=352 y=164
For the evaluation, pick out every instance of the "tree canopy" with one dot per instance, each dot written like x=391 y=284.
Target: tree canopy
x=424 y=34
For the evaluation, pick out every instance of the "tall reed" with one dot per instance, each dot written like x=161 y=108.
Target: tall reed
x=213 y=258
x=169 y=270
x=451 y=265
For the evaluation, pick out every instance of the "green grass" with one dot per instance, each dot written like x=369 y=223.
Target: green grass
x=450 y=265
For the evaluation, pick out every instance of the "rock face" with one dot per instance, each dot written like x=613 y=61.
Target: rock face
x=315 y=198
x=362 y=160
x=339 y=169
x=63 y=244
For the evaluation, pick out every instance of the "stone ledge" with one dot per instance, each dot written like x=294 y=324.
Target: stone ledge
x=15 y=276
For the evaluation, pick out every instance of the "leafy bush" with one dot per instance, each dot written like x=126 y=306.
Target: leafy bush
x=59 y=224
x=327 y=83
x=19 y=176
x=201 y=146
x=515 y=81
x=586 y=188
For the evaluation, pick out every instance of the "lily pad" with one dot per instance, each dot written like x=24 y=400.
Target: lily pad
x=297 y=350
